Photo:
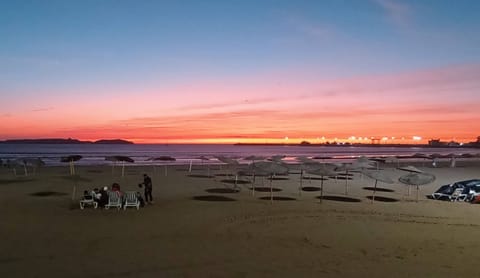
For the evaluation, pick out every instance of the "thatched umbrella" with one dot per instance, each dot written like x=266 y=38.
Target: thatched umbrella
x=377 y=176
x=164 y=158
x=411 y=169
x=71 y=159
x=268 y=168
x=322 y=172
x=121 y=158
x=417 y=179
x=421 y=155
x=32 y=162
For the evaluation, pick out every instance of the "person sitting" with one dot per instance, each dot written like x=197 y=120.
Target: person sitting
x=87 y=195
x=103 y=200
x=96 y=194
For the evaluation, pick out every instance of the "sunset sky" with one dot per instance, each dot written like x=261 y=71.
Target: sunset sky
x=240 y=71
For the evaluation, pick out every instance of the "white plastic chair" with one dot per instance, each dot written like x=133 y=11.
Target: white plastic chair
x=88 y=202
x=131 y=200
x=114 y=200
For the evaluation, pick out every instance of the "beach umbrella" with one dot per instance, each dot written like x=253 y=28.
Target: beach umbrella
x=322 y=172
x=33 y=162
x=164 y=158
x=71 y=159
x=121 y=158
x=230 y=163
x=422 y=156
x=377 y=176
x=392 y=159
x=227 y=160
x=268 y=168
x=254 y=158
x=203 y=159
x=306 y=160
x=13 y=164
x=411 y=169
x=417 y=179
x=467 y=155
x=347 y=167
x=277 y=158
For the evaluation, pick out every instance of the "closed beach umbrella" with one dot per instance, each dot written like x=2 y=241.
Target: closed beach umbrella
x=71 y=159
x=377 y=176
x=417 y=179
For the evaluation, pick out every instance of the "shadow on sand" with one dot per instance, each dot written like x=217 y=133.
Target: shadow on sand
x=48 y=193
x=379 y=189
x=340 y=199
x=310 y=188
x=213 y=198
x=277 y=198
x=383 y=199
x=265 y=189
x=222 y=190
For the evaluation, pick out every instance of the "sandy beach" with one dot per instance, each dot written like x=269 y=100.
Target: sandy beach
x=189 y=233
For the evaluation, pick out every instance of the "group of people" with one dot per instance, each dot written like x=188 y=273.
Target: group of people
x=101 y=195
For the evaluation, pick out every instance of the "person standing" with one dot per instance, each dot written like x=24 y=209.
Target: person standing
x=147 y=183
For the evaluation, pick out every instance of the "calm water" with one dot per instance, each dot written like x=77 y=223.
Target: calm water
x=95 y=154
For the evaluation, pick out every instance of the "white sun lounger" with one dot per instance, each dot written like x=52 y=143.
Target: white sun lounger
x=88 y=202
x=114 y=200
x=131 y=200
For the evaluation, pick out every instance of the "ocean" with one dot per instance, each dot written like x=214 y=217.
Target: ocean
x=94 y=154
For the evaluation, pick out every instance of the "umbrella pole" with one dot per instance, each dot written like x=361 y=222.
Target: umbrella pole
x=166 y=171
x=123 y=168
x=417 y=192
x=25 y=169
x=321 y=190
x=374 y=190
x=190 y=167
x=253 y=184
x=301 y=183
x=271 y=189
x=346 y=182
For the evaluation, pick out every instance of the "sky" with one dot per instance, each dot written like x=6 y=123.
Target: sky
x=240 y=71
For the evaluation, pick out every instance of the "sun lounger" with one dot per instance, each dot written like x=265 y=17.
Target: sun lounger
x=114 y=200
x=88 y=201
x=131 y=200
x=458 y=195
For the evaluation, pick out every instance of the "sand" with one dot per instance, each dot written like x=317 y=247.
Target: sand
x=182 y=235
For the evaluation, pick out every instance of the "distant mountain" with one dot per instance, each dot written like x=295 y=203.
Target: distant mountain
x=63 y=141
x=113 y=141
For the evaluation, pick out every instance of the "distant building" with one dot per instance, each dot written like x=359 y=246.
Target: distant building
x=438 y=143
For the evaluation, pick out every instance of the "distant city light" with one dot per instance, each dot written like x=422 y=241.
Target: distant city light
x=416 y=138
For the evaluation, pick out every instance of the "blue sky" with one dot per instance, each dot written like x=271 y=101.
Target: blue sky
x=59 y=49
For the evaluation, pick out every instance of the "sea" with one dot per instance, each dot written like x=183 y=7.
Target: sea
x=142 y=154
